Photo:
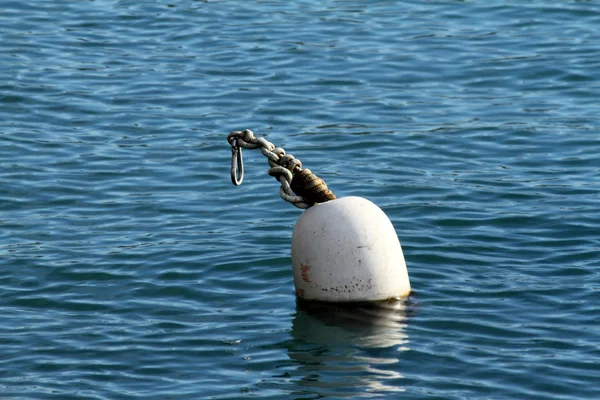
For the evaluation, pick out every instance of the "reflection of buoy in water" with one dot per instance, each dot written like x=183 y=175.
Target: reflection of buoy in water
x=349 y=350
x=365 y=324
x=347 y=250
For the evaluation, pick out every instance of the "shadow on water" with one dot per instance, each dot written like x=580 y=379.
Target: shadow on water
x=349 y=350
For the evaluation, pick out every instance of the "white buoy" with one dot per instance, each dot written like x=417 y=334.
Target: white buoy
x=347 y=250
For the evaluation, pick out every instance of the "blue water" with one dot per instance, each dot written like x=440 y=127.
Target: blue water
x=132 y=268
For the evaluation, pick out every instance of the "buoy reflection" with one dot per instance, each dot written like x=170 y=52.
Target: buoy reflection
x=349 y=350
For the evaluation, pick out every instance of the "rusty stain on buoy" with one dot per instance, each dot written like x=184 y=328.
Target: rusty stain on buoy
x=304 y=269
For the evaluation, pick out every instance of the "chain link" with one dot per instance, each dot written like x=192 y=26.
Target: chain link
x=283 y=166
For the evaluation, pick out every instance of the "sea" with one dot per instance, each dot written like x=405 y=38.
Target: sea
x=132 y=268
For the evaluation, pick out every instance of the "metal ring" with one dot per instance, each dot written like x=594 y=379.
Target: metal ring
x=237 y=164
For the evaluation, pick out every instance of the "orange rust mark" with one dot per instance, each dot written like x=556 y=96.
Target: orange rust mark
x=300 y=292
x=304 y=269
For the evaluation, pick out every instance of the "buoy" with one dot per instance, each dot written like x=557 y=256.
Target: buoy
x=347 y=250
x=343 y=250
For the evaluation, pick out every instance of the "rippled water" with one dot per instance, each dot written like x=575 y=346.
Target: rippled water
x=132 y=268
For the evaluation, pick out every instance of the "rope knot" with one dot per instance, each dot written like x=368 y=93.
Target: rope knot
x=311 y=187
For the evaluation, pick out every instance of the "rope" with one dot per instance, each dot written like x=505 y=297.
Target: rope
x=299 y=186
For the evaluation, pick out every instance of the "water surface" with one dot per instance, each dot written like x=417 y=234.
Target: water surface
x=132 y=268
